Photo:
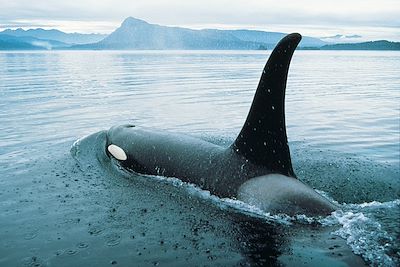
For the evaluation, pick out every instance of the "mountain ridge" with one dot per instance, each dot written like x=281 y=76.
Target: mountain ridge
x=137 y=34
x=56 y=35
x=371 y=45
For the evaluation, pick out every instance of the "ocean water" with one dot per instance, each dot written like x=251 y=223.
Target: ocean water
x=61 y=204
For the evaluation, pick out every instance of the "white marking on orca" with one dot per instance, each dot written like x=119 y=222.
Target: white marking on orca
x=117 y=152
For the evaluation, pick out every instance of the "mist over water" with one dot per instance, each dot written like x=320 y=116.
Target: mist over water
x=343 y=125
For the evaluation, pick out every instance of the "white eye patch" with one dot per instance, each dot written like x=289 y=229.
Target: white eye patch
x=117 y=152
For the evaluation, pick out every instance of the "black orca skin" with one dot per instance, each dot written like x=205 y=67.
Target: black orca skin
x=256 y=168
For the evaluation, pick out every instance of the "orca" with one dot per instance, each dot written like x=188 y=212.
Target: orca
x=256 y=168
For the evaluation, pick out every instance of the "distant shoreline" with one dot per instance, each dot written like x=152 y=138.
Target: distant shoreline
x=381 y=45
x=136 y=34
x=187 y=50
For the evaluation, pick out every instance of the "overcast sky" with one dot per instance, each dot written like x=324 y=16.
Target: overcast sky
x=370 y=19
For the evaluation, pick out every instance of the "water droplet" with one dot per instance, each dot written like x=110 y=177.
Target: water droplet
x=95 y=230
x=59 y=252
x=113 y=240
x=33 y=261
x=31 y=235
x=71 y=251
x=82 y=245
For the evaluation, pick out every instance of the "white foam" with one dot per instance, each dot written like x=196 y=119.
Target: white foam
x=364 y=235
x=240 y=206
x=78 y=142
x=376 y=204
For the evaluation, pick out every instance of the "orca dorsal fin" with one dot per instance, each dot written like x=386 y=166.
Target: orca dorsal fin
x=263 y=139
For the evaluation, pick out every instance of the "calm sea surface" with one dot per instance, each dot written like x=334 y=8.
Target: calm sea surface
x=342 y=115
x=345 y=101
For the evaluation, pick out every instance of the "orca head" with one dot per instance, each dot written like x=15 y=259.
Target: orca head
x=117 y=142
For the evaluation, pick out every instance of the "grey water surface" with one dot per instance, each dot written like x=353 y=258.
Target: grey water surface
x=63 y=204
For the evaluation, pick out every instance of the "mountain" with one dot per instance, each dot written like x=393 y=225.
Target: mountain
x=138 y=34
x=56 y=35
x=373 y=45
x=8 y=42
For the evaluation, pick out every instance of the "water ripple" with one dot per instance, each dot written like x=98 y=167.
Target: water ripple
x=336 y=99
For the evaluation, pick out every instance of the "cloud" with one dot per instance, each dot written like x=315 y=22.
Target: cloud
x=354 y=36
x=44 y=44
x=341 y=36
x=360 y=12
x=26 y=24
